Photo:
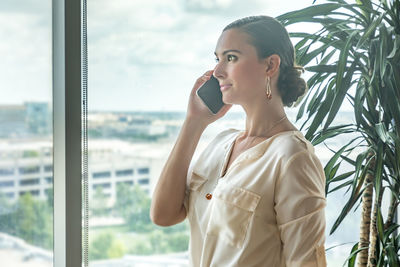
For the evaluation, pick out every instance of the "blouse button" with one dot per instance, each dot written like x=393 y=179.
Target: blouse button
x=208 y=196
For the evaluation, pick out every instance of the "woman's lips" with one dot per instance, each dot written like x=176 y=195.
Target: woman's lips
x=225 y=87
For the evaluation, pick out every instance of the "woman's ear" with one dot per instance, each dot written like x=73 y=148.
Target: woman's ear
x=272 y=64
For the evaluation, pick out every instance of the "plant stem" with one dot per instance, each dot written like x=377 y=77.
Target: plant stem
x=372 y=257
x=366 y=216
x=391 y=211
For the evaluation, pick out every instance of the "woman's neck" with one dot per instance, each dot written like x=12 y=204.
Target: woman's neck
x=266 y=120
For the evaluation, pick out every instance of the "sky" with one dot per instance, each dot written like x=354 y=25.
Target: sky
x=143 y=55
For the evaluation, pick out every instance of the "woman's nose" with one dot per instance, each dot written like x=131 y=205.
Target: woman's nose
x=219 y=71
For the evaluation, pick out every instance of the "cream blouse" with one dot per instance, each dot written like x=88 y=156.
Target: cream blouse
x=268 y=209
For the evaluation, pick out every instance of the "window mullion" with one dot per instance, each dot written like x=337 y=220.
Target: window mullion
x=67 y=133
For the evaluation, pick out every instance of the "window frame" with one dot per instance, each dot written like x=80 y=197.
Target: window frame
x=67 y=167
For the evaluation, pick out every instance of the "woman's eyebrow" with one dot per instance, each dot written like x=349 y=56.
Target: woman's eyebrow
x=228 y=51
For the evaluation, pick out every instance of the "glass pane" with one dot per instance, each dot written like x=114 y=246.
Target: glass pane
x=26 y=164
x=144 y=57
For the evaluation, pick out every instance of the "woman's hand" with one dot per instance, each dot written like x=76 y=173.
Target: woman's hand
x=197 y=110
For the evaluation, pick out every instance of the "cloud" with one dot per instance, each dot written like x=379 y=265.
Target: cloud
x=226 y=7
x=40 y=10
x=24 y=6
x=25 y=52
x=135 y=47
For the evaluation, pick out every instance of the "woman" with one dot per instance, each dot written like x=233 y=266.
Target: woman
x=254 y=197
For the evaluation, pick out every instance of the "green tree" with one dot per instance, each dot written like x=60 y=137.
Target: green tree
x=159 y=242
x=32 y=220
x=179 y=241
x=141 y=247
x=133 y=204
x=180 y=227
x=116 y=250
x=106 y=246
x=357 y=48
x=98 y=249
x=6 y=209
x=50 y=198
x=99 y=203
x=30 y=154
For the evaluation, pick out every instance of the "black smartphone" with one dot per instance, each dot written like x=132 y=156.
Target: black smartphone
x=211 y=95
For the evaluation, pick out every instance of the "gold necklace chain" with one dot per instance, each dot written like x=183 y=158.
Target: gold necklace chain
x=267 y=132
x=209 y=195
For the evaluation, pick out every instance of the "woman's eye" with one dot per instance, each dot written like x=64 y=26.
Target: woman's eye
x=216 y=60
x=231 y=57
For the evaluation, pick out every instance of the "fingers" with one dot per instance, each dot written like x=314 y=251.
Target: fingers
x=207 y=75
x=202 y=79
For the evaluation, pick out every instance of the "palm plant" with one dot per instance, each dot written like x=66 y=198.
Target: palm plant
x=355 y=55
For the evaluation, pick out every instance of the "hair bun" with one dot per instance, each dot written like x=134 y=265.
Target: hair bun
x=291 y=85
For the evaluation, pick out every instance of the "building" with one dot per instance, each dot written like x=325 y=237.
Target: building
x=12 y=121
x=26 y=166
x=38 y=117
x=27 y=120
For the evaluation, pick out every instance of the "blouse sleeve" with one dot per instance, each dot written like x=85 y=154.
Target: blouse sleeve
x=187 y=189
x=299 y=206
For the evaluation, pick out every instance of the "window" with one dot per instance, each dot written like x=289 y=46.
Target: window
x=26 y=133
x=128 y=172
x=48 y=168
x=105 y=185
x=7 y=172
x=29 y=182
x=29 y=170
x=7 y=184
x=101 y=174
x=32 y=192
x=144 y=181
x=143 y=170
x=139 y=119
x=9 y=195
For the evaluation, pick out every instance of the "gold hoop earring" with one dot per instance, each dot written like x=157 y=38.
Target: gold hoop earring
x=268 y=89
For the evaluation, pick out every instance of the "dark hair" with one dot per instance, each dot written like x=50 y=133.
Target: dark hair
x=269 y=37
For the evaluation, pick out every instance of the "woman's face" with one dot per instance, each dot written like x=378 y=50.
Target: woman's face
x=241 y=74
